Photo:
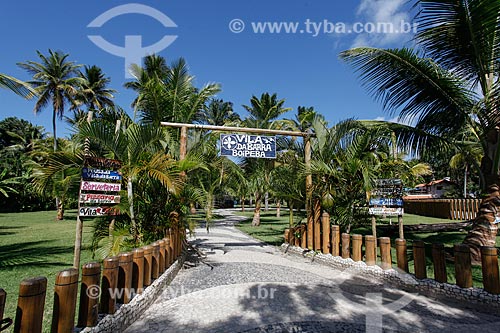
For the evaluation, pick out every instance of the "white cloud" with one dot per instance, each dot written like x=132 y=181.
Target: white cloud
x=393 y=12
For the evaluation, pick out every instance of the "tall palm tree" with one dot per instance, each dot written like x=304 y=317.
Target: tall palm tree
x=56 y=82
x=219 y=113
x=264 y=114
x=19 y=87
x=454 y=75
x=94 y=92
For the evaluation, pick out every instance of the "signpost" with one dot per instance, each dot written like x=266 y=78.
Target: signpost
x=99 y=194
x=243 y=145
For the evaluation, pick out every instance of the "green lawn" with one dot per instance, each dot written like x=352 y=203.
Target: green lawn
x=35 y=244
x=271 y=231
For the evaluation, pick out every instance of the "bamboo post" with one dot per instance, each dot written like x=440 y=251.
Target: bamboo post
x=155 y=268
x=325 y=226
x=125 y=277
x=162 y=266
x=89 y=295
x=401 y=254
x=335 y=240
x=357 y=244
x=419 y=260
x=317 y=225
x=370 y=250
x=65 y=293
x=148 y=262
x=463 y=269
x=439 y=262
x=109 y=283
x=489 y=258
x=385 y=252
x=30 y=304
x=345 y=245
x=138 y=271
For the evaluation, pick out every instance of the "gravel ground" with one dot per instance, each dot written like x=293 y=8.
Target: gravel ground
x=239 y=284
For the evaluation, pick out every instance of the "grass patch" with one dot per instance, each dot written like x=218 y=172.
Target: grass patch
x=271 y=228
x=35 y=244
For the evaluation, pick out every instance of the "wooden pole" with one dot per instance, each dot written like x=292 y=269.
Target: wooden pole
x=325 y=226
x=335 y=240
x=109 y=283
x=161 y=259
x=138 y=271
x=307 y=161
x=89 y=295
x=385 y=252
x=317 y=224
x=401 y=254
x=357 y=243
x=439 y=262
x=463 y=269
x=491 y=282
x=125 y=277
x=400 y=227
x=374 y=228
x=419 y=260
x=65 y=292
x=346 y=245
x=30 y=304
x=370 y=250
x=148 y=252
x=3 y=298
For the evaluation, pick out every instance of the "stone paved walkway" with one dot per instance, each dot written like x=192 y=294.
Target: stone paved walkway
x=246 y=286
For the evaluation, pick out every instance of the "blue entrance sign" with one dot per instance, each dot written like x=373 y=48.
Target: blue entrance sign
x=242 y=145
x=91 y=173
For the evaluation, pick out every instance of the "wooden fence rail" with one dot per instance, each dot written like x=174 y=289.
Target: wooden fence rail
x=351 y=246
x=130 y=271
x=452 y=209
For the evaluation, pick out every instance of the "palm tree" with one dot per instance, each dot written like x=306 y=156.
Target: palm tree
x=56 y=83
x=454 y=75
x=140 y=148
x=94 y=92
x=219 y=113
x=264 y=113
x=19 y=87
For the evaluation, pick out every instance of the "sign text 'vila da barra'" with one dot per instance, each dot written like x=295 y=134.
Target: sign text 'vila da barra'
x=242 y=145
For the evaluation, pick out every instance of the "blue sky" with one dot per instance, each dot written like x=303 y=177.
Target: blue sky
x=300 y=67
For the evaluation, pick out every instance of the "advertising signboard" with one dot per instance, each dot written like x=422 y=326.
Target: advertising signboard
x=243 y=145
x=387 y=198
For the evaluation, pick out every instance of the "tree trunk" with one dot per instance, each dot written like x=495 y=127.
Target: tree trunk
x=60 y=209
x=256 y=212
x=484 y=228
x=242 y=204
x=278 y=208
x=266 y=202
x=130 y=195
x=290 y=216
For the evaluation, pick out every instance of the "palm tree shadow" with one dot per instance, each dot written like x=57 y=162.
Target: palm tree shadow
x=35 y=254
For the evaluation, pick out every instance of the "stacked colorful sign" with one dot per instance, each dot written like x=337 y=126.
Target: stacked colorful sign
x=386 y=197
x=100 y=187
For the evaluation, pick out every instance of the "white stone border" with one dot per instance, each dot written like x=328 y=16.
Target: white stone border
x=428 y=287
x=129 y=313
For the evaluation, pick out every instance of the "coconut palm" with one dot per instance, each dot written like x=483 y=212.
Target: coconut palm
x=449 y=83
x=219 y=113
x=94 y=92
x=454 y=74
x=264 y=113
x=56 y=83
x=140 y=148
x=19 y=87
